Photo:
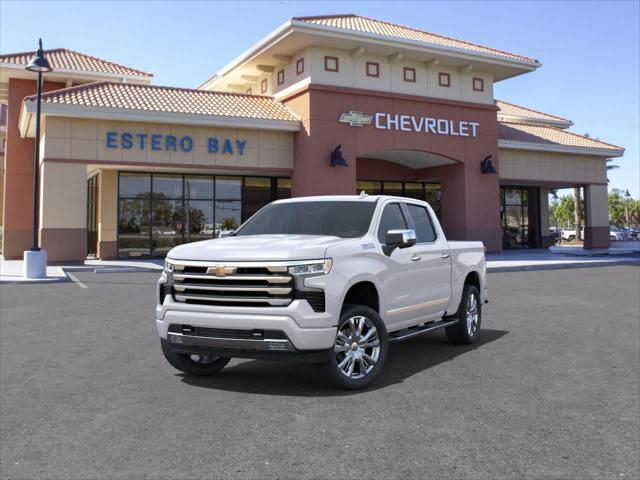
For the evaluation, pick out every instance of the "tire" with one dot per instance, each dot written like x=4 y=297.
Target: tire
x=360 y=349
x=197 y=365
x=469 y=314
x=571 y=238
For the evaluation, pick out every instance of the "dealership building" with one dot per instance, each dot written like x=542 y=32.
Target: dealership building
x=322 y=105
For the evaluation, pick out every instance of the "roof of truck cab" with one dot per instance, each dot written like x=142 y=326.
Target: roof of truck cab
x=333 y=198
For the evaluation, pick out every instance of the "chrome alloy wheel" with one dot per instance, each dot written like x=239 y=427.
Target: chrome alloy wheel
x=357 y=347
x=203 y=359
x=472 y=314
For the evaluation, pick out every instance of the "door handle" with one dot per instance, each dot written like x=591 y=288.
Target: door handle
x=444 y=255
x=416 y=258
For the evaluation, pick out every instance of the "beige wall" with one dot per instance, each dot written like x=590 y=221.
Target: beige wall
x=552 y=167
x=80 y=139
x=63 y=195
x=597 y=206
x=352 y=73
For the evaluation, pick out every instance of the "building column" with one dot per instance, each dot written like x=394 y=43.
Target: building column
x=18 y=173
x=546 y=240
x=469 y=203
x=107 y=214
x=596 y=216
x=63 y=211
x=312 y=170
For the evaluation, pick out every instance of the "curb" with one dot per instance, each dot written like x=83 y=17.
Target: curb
x=125 y=270
x=562 y=266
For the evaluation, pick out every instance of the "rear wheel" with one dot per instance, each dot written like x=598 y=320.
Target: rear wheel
x=469 y=316
x=200 y=365
x=360 y=348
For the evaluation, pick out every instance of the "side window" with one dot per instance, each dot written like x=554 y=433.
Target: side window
x=425 y=232
x=392 y=219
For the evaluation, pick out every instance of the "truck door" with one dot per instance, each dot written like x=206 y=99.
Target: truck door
x=431 y=261
x=400 y=296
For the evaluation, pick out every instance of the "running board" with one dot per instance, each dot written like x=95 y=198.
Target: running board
x=411 y=332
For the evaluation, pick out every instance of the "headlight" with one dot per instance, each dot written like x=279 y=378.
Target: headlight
x=168 y=266
x=312 y=267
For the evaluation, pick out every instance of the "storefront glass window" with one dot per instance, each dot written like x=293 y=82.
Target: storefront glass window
x=133 y=226
x=159 y=211
x=167 y=223
x=167 y=186
x=228 y=188
x=283 y=188
x=135 y=185
x=371 y=188
x=255 y=195
x=519 y=218
x=429 y=192
x=392 y=188
x=228 y=216
x=414 y=190
x=199 y=223
x=198 y=188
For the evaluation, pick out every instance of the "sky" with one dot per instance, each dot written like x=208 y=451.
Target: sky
x=590 y=51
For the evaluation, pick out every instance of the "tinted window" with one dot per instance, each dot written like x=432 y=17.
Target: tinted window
x=340 y=219
x=392 y=219
x=423 y=226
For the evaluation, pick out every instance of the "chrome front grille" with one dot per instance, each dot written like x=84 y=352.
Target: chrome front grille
x=232 y=284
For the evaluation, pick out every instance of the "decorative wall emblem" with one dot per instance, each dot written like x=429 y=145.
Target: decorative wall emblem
x=356 y=119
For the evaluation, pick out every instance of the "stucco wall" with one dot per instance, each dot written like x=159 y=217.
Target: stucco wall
x=551 y=167
x=85 y=140
x=352 y=73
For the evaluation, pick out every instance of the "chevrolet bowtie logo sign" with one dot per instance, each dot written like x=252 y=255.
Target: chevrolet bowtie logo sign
x=355 y=119
x=221 y=271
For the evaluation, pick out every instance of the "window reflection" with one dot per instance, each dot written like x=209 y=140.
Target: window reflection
x=133 y=227
x=228 y=216
x=200 y=220
x=158 y=211
x=228 y=188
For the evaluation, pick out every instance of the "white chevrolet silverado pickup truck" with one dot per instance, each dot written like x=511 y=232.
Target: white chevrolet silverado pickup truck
x=330 y=280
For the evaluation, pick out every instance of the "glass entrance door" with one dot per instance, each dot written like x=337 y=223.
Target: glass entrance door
x=519 y=217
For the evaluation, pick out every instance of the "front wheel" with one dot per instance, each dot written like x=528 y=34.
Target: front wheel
x=199 y=365
x=469 y=315
x=360 y=348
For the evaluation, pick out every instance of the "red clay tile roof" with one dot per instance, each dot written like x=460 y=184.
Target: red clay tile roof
x=152 y=98
x=544 y=135
x=513 y=110
x=65 y=59
x=370 y=25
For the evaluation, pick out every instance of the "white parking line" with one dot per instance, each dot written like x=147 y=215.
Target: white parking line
x=75 y=280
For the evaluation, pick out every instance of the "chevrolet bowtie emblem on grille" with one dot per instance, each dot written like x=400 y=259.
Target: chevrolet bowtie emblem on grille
x=221 y=271
x=355 y=119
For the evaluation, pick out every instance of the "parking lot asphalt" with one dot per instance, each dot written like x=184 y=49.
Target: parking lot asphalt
x=550 y=391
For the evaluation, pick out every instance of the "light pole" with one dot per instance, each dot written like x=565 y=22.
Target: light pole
x=626 y=208
x=35 y=260
x=555 y=205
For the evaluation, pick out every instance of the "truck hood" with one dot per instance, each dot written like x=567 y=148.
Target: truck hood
x=256 y=248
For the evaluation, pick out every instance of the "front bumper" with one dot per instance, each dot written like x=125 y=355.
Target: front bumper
x=270 y=345
x=302 y=328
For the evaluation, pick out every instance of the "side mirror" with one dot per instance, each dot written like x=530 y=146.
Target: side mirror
x=226 y=233
x=399 y=239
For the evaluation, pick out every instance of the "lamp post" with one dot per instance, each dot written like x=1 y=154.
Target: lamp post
x=626 y=208
x=35 y=260
x=555 y=214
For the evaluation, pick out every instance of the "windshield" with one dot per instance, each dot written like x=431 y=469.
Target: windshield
x=349 y=219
